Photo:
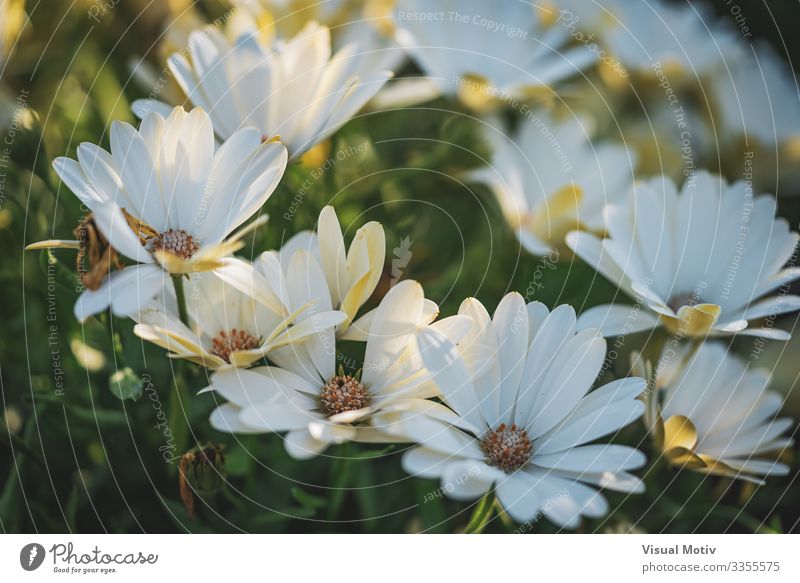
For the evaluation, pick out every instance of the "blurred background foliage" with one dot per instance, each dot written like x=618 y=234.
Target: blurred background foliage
x=76 y=457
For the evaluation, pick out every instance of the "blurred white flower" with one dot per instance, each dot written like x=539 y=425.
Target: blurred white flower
x=718 y=417
x=522 y=413
x=12 y=21
x=167 y=198
x=294 y=91
x=700 y=262
x=229 y=329
x=592 y=16
x=550 y=178
x=487 y=53
x=367 y=23
x=684 y=40
x=667 y=141
x=758 y=113
x=305 y=395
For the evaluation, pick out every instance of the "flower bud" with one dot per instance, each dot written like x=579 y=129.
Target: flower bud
x=201 y=472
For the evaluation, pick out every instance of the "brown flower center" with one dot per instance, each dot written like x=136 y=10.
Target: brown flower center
x=224 y=343
x=342 y=393
x=507 y=447
x=175 y=241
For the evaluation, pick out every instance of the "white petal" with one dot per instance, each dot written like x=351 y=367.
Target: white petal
x=301 y=446
x=615 y=320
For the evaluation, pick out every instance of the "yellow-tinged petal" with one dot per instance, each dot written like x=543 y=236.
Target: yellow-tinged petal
x=354 y=300
x=166 y=339
x=379 y=13
x=476 y=92
x=547 y=11
x=715 y=466
x=316 y=156
x=244 y=358
x=13 y=19
x=209 y=361
x=679 y=432
x=695 y=320
x=178 y=265
x=558 y=216
x=364 y=266
x=375 y=240
x=53 y=244
x=686 y=458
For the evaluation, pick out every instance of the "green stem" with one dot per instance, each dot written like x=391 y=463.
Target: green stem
x=179 y=415
x=481 y=515
x=179 y=398
x=180 y=294
x=340 y=474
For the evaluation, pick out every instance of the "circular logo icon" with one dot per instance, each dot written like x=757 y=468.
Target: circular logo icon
x=31 y=556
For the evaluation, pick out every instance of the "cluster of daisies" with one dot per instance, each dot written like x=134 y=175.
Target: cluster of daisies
x=503 y=402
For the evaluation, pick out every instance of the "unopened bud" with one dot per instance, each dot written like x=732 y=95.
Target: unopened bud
x=201 y=473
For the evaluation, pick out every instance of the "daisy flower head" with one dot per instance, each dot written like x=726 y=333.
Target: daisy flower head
x=714 y=415
x=522 y=413
x=550 y=178
x=487 y=54
x=349 y=275
x=318 y=399
x=295 y=90
x=167 y=197
x=704 y=261
x=230 y=329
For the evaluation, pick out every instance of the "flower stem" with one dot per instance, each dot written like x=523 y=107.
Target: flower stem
x=340 y=474
x=178 y=417
x=179 y=398
x=481 y=515
x=180 y=294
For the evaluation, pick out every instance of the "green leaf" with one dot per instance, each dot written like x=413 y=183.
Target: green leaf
x=307 y=500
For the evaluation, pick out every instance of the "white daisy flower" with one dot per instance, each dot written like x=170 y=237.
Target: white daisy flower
x=167 y=198
x=758 y=111
x=717 y=416
x=229 y=329
x=522 y=413
x=684 y=41
x=486 y=54
x=350 y=276
x=704 y=261
x=550 y=178
x=305 y=394
x=293 y=90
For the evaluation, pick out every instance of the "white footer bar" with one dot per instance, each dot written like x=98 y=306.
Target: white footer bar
x=407 y=558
